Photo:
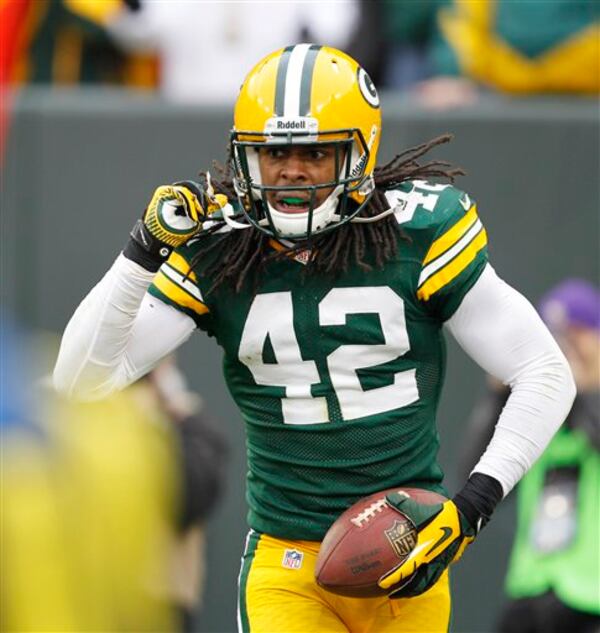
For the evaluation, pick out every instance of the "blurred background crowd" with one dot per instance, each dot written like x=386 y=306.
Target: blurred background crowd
x=105 y=505
x=446 y=50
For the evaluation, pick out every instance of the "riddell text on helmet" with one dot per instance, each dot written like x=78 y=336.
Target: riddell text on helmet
x=291 y=125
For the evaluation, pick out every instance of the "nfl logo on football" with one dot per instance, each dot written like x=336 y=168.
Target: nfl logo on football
x=292 y=559
x=401 y=538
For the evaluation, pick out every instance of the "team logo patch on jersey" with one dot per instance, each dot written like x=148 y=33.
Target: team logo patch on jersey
x=402 y=538
x=292 y=559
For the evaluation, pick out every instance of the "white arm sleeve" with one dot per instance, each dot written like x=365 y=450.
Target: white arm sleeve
x=501 y=331
x=117 y=334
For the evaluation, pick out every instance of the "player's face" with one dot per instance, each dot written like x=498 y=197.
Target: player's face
x=288 y=166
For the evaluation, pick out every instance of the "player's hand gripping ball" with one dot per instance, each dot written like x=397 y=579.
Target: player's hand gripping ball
x=369 y=541
x=443 y=534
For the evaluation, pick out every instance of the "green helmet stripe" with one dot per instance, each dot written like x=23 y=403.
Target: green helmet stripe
x=306 y=81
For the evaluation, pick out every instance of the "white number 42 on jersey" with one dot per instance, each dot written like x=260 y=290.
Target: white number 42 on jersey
x=296 y=375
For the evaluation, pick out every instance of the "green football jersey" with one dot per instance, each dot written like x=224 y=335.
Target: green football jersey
x=338 y=379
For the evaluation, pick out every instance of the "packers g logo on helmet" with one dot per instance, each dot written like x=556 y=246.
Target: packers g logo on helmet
x=367 y=88
x=313 y=95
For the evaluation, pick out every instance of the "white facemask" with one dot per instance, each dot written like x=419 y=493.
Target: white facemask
x=296 y=224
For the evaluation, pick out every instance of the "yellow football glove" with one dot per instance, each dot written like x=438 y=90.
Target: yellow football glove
x=174 y=215
x=443 y=533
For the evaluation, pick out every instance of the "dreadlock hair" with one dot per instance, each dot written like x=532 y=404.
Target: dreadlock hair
x=237 y=256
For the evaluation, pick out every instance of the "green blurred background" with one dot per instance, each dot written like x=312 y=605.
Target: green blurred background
x=81 y=165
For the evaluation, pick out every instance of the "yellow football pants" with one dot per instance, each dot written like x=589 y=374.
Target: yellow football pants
x=278 y=594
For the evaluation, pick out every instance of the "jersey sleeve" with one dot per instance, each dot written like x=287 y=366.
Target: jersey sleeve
x=177 y=285
x=452 y=247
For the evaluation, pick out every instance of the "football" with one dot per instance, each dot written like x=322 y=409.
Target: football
x=368 y=540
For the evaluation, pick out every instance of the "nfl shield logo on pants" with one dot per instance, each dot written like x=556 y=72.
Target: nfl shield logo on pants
x=292 y=559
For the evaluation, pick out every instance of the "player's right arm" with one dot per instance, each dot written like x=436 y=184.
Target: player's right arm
x=119 y=332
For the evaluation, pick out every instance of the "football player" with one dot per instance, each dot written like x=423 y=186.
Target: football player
x=328 y=282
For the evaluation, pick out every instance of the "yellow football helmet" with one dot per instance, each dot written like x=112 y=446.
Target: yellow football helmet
x=313 y=95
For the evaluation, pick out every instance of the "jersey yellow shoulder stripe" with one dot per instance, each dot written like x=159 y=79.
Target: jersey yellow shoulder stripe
x=451 y=236
x=181 y=265
x=446 y=274
x=178 y=295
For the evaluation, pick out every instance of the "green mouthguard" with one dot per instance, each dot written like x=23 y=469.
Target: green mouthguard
x=293 y=201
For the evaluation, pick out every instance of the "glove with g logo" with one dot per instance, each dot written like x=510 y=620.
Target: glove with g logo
x=174 y=215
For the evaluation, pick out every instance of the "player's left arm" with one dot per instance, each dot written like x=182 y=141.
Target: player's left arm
x=503 y=333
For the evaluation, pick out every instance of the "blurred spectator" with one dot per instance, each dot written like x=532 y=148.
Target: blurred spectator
x=526 y=47
x=392 y=38
x=13 y=28
x=163 y=395
x=408 y=27
x=203 y=46
x=102 y=503
x=554 y=572
x=366 y=43
x=64 y=42
x=14 y=20
x=87 y=501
